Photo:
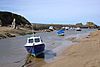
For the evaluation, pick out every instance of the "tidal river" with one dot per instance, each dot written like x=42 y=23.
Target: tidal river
x=13 y=53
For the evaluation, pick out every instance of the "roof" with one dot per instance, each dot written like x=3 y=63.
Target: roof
x=33 y=43
x=33 y=37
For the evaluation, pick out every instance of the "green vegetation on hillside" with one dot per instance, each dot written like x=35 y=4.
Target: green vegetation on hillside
x=90 y=24
x=6 y=19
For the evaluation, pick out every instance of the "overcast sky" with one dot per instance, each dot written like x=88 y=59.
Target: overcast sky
x=55 y=11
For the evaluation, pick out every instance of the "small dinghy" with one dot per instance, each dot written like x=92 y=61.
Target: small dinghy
x=35 y=46
x=60 y=32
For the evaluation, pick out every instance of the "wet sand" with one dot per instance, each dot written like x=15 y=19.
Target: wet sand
x=13 y=53
x=84 y=54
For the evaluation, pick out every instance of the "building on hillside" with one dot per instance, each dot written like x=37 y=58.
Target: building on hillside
x=14 y=24
x=0 y=23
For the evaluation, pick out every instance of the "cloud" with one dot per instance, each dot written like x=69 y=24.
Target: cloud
x=54 y=10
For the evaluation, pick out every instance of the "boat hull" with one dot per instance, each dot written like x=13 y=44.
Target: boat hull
x=78 y=30
x=62 y=34
x=35 y=50
x=98 y=28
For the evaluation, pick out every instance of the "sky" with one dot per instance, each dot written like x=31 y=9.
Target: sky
x=55 y=11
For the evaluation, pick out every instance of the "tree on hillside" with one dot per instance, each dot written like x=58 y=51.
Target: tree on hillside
x=91 y=24
x=79 y=24
x=7 y=18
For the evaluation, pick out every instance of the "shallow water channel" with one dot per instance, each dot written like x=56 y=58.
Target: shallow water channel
x=13 y=53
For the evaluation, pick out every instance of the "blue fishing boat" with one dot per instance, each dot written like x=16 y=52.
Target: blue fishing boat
x=35 y=46
x=60 y=32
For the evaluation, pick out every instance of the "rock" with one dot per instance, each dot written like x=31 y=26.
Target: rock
x=2 y=36
x=9 y=35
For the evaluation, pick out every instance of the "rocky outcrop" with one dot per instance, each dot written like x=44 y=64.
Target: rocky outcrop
x=6 y=18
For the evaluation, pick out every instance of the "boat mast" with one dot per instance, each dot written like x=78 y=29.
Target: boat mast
x=33 y=30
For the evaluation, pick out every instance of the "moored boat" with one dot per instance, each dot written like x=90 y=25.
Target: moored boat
x=35 y=46
x=66 y=28
x=60 y=32
x=98 y=28
x=78 y=29
x=51 y=28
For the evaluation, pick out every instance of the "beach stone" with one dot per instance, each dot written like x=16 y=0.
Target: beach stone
x=2 y=36
x=9 y=35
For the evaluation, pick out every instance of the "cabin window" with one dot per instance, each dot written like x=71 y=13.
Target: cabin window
x=37 y=40
x=30 y=40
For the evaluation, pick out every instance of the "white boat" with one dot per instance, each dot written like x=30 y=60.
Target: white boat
x=78 y=29
x=51 y=28
x=72 y=28
x=98 y=28
x=35 y=46
x=66 y=28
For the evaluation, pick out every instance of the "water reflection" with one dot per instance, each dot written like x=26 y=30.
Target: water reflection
x=49 y=54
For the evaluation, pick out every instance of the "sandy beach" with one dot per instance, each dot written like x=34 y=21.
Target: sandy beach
x=84 y=54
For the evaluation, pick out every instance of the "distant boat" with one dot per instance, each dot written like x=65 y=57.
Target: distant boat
x=98 y=28
x=66 y=28
x=60 y=32
x=78 y=29
x=35 y=46
x=51 y=28
x=72 y=28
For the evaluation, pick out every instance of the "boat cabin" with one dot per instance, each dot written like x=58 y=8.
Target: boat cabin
x=35 y=46
x=32 y=41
